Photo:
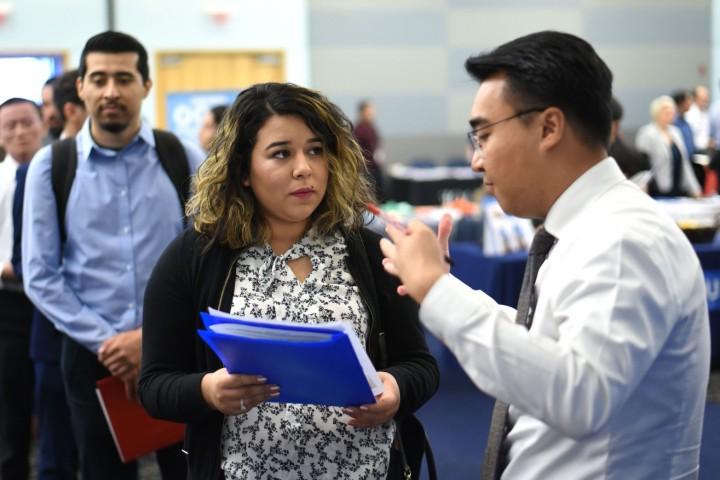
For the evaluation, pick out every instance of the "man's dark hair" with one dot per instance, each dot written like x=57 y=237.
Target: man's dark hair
x=115 y=42
x=616 y=109
x=553 y=69
x=217 y=112
x=50 y=81
x=680 y=96
x=65 y=91
x=18 y=101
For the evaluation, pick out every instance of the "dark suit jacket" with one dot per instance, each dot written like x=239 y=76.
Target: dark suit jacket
x=44 y=339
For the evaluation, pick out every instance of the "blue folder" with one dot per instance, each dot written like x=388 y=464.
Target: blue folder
x=325 y=371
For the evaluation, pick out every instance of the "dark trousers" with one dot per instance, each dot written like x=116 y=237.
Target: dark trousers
x=16 y=386
x=99 y=459
x=57 y=454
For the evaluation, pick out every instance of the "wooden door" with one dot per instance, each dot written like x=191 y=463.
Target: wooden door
x=196 y=72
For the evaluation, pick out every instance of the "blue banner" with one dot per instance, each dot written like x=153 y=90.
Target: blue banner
x=712 y=285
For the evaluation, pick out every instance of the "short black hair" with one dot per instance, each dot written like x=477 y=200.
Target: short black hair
x=616 y=109
x=65 y=91
x=115 y=42
x=217 y=113
x=49 y=81
x=556 y=69
x=681 y=95
x=18 y=101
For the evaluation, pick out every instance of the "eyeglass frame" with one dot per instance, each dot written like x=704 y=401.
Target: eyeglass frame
x=472 y=134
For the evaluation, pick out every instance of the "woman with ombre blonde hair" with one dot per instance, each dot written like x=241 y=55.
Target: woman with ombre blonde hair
x=278 y=233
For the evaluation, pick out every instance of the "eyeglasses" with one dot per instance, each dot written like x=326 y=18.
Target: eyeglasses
x=472 y=134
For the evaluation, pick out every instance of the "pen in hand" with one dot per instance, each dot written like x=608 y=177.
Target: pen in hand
x=388 y=220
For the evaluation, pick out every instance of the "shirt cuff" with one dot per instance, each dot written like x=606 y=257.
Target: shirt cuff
x=448 y=302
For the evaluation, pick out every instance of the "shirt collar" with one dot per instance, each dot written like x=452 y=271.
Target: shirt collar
x=583 y=191
x=87 y=144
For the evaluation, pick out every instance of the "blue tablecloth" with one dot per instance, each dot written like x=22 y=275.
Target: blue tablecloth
x=501 y=277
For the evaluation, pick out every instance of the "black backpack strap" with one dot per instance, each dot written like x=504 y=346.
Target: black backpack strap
x=64 y=164
x=174 y=161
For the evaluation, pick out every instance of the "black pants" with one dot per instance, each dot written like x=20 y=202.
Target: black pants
x=16 y=385
x=99 y=459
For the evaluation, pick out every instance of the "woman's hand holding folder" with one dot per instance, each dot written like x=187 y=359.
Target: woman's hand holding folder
x=235 y=394
x=382 y=411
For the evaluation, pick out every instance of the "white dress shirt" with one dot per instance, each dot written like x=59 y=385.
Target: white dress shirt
x=610 y=380
x=699 y=121
x=8 y=167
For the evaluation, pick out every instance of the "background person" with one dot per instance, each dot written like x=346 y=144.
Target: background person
x=122 y=211
x=209 y=126
x=56 y=451
x=630 y=160
x=278 y=234
x=368 y=137
x=50 y=114
x=683 y=100
x=605 y=362
x=21 y=132
x=69 y=105
x=662 y=141
x=698 y=116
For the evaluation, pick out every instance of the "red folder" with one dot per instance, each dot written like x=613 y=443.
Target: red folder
x=135 y=432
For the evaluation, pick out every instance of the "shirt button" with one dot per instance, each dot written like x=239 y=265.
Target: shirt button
x=128 y=266
x=123 y=193
x=131 y=305
x=126 y=230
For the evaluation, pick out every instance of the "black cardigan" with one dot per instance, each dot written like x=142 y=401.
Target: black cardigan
x=187 y=280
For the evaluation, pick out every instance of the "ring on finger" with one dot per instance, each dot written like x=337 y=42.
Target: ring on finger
x=242 y=405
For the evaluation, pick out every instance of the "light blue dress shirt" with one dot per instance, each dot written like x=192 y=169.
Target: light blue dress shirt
x=121 y=213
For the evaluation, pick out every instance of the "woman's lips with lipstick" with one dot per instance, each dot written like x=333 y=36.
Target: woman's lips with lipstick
x=303 y=192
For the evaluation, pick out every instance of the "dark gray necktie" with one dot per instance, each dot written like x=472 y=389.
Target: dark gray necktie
x=494 y=454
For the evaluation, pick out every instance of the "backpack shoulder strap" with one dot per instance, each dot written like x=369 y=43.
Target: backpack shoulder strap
x=174 y=161
x=64 y=164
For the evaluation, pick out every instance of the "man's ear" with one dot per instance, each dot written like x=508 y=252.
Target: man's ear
x=79 y=87
x=68 y=110
x=147 y=86
x=553 y=127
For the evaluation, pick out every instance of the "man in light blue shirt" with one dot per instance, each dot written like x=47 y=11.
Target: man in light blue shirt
x=121 y=212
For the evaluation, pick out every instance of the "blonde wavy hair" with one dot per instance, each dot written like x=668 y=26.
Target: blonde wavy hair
x=227 y=212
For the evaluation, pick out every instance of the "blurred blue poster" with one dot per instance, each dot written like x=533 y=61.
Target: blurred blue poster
x=185 y=110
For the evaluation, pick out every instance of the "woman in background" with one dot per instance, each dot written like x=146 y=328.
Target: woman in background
x=278 y=234
x=209 y=126
x=662 y=141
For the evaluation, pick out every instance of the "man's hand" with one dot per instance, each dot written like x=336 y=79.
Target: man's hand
x=443 y=235
x=379 y=412
x=7 y=272
x=416 y=256
x=233 y=394
x=121 y=354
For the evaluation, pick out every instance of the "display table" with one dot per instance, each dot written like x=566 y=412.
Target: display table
x=501 y=277
x=424 y=186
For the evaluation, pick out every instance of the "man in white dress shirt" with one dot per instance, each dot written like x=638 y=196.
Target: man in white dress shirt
x=609 y=381
x=698 y=116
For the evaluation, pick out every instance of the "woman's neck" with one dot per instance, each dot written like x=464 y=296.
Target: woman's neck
x=285 y=236
x=662 y=126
